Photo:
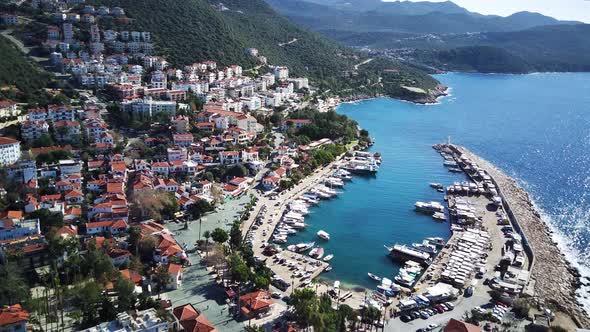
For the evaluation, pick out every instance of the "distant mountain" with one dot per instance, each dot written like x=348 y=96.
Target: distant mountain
x=406 y=16
x=445 y=36
x=547 y=48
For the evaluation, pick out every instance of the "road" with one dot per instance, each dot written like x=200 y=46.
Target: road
x=289 y=42
x=26 y=50
x=356 y=67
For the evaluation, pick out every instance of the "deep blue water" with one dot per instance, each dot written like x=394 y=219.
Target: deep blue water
x=535 y=127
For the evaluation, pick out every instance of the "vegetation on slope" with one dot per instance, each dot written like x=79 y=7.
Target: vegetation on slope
x=20 y=80
x=187 y=31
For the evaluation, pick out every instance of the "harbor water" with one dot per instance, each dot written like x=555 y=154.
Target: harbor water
x=534 y=127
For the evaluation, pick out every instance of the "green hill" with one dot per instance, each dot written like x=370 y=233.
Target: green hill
x=188 y=31
x=192 y=30
x=20 y=80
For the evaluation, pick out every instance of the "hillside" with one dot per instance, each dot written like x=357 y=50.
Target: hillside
x=20 y=80
x=187 y=31
x=549 y=48
x=410 y=17
x=192 y=30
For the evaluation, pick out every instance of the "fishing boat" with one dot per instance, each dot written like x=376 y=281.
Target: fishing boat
x=342 y=174
x=317 y=252
x=439 y=242
x=430 y=207
x=301 y=247
x=404 y=253
x=374 y=277
x=436 y=185
x=450 y=163
x=385 y=290
x=455 y=170
x=328 y=258
x=323 y=235
x=440 y=216
x=426 y=247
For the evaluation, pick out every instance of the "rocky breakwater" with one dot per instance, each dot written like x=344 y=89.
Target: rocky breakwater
x=555 y=279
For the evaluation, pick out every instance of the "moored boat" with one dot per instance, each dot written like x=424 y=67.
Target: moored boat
x=323 y=235
x=328 y=258
x=374 y=277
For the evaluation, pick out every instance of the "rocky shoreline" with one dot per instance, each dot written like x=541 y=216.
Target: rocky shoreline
x=428 y=99
x=555 y=279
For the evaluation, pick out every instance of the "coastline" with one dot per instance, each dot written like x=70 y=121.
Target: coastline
x=441 y=91
x=555 y=279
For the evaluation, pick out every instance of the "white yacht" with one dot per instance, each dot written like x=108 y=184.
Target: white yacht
x=323 y=235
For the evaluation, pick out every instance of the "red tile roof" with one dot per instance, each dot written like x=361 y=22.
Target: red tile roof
x=256 y=300
x=13 y=314
x=7 y=140
x=192 y=320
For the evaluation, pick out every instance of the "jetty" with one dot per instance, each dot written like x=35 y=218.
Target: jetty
x=553 y=280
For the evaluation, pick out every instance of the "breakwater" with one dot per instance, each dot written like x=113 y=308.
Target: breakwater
x=555 y=279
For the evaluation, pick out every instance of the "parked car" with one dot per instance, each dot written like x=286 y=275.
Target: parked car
x=406 y=318
x=450 y=305
x=276 y=295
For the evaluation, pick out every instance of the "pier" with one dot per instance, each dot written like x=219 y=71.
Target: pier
x=552 y=278
x=271 y=217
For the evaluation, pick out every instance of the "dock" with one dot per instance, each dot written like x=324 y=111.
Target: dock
x=553 y=280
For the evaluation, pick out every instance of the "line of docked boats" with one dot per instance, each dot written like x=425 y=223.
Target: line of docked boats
x=415 y=258
x=293 y=219
x=363 y=163
x=435 y=209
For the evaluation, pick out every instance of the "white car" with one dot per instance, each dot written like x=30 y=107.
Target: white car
x=431 y=327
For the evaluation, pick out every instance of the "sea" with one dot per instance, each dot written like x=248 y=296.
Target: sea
x=534 y=127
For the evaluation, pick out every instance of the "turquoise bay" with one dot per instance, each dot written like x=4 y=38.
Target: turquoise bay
x=534 y=127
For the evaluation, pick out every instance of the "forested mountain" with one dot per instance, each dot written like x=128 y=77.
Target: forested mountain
x=187 y=31
x=407 y=16
x=445 y=36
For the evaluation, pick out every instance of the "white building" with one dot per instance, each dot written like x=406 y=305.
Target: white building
x=144 y=321
x=281 y=73
x=149 y=107
x=9 y=150
x=12 y=229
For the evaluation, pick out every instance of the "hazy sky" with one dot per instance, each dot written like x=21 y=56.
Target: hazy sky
x=578 y=10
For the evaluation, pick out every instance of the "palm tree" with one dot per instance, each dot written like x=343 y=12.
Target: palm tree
x=207 y=235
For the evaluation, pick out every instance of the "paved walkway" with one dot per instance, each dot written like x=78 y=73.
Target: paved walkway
x=198 y=286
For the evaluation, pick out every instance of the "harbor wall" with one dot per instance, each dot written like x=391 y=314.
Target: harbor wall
x=513 y=218
x=555 y=279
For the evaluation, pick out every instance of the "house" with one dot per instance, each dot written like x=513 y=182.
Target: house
x=66 y=130
x=8 y=109
x=229 y=157
x=101 y=227
x=119 y=256
x=32 y=130
x=161 y=167
x=74 y=197
x=13 y=228
x=250 y=155
x=132 y=276
x=183 y=139
x=255 y=303
x=205 y=126
x=270 y=182
x=239 y=182
x=9 y=151
x=458 y=326
x=180 y=124
x=13 y=318
x=294 y=123
x=192 y=320
x=175 y=272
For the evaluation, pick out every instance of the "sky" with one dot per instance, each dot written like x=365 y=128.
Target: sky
x=577 y=10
